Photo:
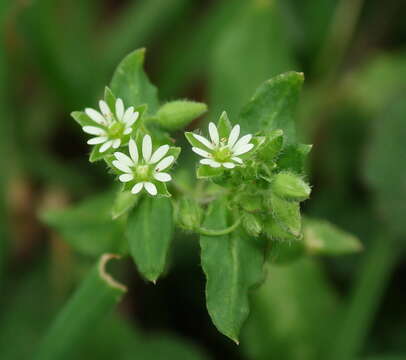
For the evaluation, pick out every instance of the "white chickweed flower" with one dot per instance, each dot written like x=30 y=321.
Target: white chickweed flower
x=146 y=171
x=225 y=151
x=110 y=126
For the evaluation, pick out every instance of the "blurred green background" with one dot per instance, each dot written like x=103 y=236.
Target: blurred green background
x=57 y=56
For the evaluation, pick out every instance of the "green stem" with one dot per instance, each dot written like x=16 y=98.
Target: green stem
x=368 y=291
x=225 y=231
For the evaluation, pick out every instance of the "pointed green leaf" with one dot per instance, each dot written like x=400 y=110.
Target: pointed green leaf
x=273 y=106
x=149 y=233
x=322 y=237
x=206 y=171
x=294 y=157
x=131 y=84
x=123 y=202
x=233 y=264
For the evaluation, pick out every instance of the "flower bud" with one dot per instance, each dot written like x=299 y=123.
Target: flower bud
x=176 y=115
x=275 y=231
x=251 y=224
x=189 y=214
x=290 y=187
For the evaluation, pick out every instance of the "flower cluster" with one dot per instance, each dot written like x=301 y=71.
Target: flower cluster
x=146 y=171
x=110 y=127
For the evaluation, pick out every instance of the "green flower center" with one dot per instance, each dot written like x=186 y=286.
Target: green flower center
x=143 y=172
x=223 y=154
x=116 y=130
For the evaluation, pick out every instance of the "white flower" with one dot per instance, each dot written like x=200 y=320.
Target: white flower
x=110 y=127
x=222 y=152
x=143 y=172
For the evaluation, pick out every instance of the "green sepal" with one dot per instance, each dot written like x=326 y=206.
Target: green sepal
x=274 y=231
x=188 y=214
x=224 y=125
x=96 y=155
x=175 y=115
x=251 y=224
x=82 y=119
x=194 y=142
x=293 y=157
x=287 y=214
x=123 y=202
x=110 y=99
x=162 y=189
x=290 y=186
x=206 y=171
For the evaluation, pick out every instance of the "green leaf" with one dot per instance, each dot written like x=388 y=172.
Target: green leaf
x=175 y=115
x=287 y=214
x=149 y=233
x=291 y=314
x=233 y=264
x=272 y=145
x=322 y=237
x=88 y=226
x=123 y=202
x=95 y=298
x=293 y=157
x=273 y=106
x=131 y=84
x=206 y=171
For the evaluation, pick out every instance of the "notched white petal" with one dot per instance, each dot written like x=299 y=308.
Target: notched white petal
x=237 y=159
x=146 y=147
x=244 y=140
x=228 y=165
x=201 y=152
x=151 y=188
x=162 y=177
x=204 y=141
x=97 y=140
x=104 y=108
x=159 y=154
x=116 y=143
x=123 y=158
x=214 y=134
x=235 y=132
x=132 y=147
x=210 y=162
x=242 y=149
x=128 y=114
x=119 y=109
x=106 y=146
x=127 y=131
x=126 y=177
x=137 y=188
x=121 y=166
x=93 y=130
x=95 y=116
x=163 y=164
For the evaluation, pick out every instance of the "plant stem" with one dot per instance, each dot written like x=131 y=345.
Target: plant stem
x=225 y=231
x=368 y=291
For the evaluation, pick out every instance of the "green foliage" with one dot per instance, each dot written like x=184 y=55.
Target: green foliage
x=97 y=296
x=88 y=227
x=233 y=264
x=149 y=233
x=130 y=83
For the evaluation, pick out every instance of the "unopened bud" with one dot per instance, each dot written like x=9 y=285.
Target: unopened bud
x=251 y=224
x=189 y=214
x=290 y=187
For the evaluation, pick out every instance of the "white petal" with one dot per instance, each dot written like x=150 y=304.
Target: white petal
x=236 y=159
x=132 y=119
x=159 y=154
x=97 y=140
x=105 y=146
x=214 y=134
x=126 y=177
x=210 y=162
x=244 y=140
x=121 y=166
x=235 y=132
x=104 y=108
x=116 y=143
x=151 y=188
x=228 y=165
x=163 y=164
x=123 y=158
x=128 y=130
x=119 y=109
x=163 y=177
x=95 y=116
x=201 y=152
x=146 y=147
x=132 y=147
x=204 y=141
x=93 y=130
x=137 y=188
x=128 y=114
x=242 y=149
